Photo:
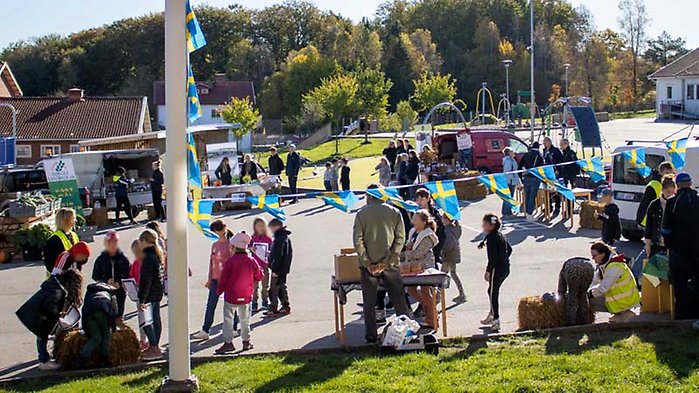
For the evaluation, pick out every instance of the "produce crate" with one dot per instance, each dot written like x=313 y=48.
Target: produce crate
x=56 y=204
x=19 y=209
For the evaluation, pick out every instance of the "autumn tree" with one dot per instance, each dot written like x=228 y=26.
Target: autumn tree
x=431 y=90
x=633 y=23
x=241 y=111
x=336 y=96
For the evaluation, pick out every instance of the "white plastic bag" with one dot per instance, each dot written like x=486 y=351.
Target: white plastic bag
x=400 y=332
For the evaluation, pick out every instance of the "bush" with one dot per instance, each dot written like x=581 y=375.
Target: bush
x=34 y=237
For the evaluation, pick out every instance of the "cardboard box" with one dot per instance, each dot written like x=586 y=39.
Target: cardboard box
x=347 y=268
x=347 y=250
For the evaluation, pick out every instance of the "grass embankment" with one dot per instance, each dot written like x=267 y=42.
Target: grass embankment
x=648 y=113
x=664 y=360
x=354 y=149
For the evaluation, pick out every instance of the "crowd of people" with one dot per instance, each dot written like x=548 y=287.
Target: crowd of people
x=249 y=271
x=386 y=254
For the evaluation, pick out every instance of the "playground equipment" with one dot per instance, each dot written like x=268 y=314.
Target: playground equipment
x=481 y=104
x=504 y=103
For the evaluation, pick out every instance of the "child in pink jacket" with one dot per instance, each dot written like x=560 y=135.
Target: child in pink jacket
x=237 y=283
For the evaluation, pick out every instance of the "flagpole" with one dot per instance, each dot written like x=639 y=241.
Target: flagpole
x=179 y=377
x=532 y=103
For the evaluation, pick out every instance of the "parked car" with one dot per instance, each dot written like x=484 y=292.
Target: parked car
x=486 y=154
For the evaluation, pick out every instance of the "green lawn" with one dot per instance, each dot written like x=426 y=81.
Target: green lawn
x=661 y=360
x=348 y=147
x=362 y=174
x=649 y=113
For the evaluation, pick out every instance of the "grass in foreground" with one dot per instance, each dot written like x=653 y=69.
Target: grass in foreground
x=664 y=360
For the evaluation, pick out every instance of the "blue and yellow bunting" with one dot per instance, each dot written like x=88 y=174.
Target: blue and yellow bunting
x=594 y=168
x=199 y=214
x=497 y=184
x=268 y=203
x=195 y=37
x=637 y=159
x=677 y=150
x=391 y=195
x=444 y=194
x=548 y=176
x=343 y=200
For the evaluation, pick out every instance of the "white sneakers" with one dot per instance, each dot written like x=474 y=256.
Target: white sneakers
x=531 y=218
x=494 y=323
x=201 y=335
x=49 y=366
x=459 y=299
x=488 y=320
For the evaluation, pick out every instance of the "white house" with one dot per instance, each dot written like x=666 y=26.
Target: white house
x=677 y=88
x=212 y=94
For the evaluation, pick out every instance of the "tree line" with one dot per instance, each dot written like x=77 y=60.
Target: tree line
x=310 y=66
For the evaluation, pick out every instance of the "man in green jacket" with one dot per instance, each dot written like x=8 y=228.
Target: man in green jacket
x=379 y=236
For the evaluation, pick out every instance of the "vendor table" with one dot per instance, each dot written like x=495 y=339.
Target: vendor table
x=568 y=207
x=340 y=290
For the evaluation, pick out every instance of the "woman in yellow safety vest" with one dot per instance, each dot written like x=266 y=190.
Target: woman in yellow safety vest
x=63 y=239
x=613 y=287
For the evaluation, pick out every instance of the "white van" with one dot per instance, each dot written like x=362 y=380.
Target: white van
x=628 y=185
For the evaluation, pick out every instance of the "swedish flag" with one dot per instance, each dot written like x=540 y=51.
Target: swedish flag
x=268 y=203
x=593 y=167
x=195 y=37
x=392 y=196
x=637 y=159
x=497 y=184
x=193 y=105
x=343 y=200
x=199 y=214
x=444 y=193
x=193 y=171
x=548 y=176
x=677 y=150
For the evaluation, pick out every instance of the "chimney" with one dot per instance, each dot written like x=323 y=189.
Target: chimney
x=76 y=94
x=219 y=79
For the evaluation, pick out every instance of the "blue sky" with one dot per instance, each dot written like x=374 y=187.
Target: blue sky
x=32 y=18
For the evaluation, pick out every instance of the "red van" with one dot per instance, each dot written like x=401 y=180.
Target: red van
x=486 y=154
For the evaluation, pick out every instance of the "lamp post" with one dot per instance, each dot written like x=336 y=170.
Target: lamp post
x=179 y=376
x=566 y=66
x=507 y=63
x=531 y=70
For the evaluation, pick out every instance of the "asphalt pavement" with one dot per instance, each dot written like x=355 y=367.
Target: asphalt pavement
x=318 y=232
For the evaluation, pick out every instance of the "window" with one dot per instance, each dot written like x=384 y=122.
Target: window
x=23 y=151
x=215 y=113
x=203 y=91
x=669 y=92
x=624 y=173
x=495 y=145
x=517 y=146
x=690 y=92
x=75 y=149
x=50 y=150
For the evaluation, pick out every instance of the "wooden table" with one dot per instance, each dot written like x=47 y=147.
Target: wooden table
x=340 y=290
x=578 y=193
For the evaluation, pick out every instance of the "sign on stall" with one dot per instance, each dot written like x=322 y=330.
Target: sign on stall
x=63 y=183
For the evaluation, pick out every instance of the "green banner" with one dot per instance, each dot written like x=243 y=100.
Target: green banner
x=63 y=183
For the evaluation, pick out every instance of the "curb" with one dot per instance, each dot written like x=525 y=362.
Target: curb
x=593 y=328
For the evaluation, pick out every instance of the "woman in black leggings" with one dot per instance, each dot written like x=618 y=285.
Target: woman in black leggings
x=499 y=251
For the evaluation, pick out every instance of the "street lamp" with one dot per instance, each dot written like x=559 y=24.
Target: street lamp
x=507 y=63
x=566 y=66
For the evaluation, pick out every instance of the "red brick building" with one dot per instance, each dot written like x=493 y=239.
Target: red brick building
x=54 y=125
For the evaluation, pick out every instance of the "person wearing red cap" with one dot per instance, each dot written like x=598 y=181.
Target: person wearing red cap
x=76 y=257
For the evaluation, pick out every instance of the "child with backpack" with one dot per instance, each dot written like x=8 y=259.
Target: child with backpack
x=111 y=267
x=236 y=283
x=499 y=251
x=99 y=314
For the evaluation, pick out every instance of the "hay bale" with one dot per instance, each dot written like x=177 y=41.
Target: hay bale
x=98 y=218
x=588 y=214
x=469 y=190
x=539 y=312
x=123 y=348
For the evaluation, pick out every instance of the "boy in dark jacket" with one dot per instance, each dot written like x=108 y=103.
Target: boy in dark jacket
x=99 y=321
x=344 y=175
x=41 y=312
x=280 y=257
x=121 y=194
x=276 y=165
x=611 y=226
x=498 y=269
x=111 y=267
